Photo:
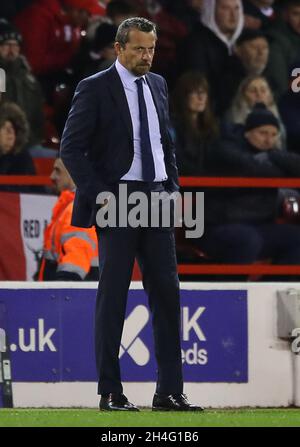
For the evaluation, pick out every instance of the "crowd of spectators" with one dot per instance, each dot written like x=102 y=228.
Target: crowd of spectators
x=220 y=59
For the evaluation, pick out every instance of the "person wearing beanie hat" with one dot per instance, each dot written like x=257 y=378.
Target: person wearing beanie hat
x=102 y=54
x=8 y=32
x=262 y=128
x=261 y=116
x=252 y=90
x=241 y=224
x=98 y=53
x=21 y=87
x=104 y=36
x=10 y=40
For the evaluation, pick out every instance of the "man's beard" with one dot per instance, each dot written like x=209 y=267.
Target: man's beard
x=10 y=64
x=141 y=70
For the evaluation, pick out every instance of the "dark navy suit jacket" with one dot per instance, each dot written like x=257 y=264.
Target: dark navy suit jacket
x=97 y=142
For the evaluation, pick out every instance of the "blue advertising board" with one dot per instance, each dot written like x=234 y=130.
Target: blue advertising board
x=51 y=335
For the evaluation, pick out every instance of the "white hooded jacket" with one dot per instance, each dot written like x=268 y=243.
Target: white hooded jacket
x=208 y=19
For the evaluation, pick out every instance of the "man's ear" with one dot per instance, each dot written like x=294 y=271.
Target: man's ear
x=117 y=47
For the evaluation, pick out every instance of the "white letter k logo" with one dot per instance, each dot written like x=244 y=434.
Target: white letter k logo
x=130 y=343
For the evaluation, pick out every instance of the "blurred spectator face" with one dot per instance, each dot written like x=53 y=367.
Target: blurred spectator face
x=227 y=15
x=254 y=54
x=258 y=91
x=292 y=16
x=137 y=54
x=263 y=138
x=197 y=100
x=61 y=178
x=10 y=50
x=7 y=137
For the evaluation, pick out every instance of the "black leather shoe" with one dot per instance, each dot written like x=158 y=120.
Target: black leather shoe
x=173 y=402
x=116 y=402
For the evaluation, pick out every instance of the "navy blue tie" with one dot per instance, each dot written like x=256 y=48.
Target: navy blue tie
x=148 y=168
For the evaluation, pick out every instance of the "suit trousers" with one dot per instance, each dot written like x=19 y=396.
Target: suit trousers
x=155 y=251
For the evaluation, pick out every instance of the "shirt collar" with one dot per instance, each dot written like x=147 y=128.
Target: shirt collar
x=127 y=78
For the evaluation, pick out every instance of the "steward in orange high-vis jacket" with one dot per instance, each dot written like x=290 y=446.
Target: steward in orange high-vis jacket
x=69 y=253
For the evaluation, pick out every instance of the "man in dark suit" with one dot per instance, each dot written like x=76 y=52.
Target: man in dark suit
x=117 y=134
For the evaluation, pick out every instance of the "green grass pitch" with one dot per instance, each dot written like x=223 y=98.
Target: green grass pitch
x=146 y=418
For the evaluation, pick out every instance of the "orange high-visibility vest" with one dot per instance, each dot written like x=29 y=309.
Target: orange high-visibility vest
x=73 y=249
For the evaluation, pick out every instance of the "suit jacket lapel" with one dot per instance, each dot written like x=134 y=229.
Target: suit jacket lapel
x=118 y=93
x=157 y=102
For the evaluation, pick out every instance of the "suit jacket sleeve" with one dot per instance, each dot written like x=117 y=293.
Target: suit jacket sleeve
x=77 y=139
x=170 y=160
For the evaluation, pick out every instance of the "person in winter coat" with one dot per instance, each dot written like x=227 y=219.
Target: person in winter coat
x=284 y=46
x=97 y=54
x=252 y=90
x=14 y=132
x=210 y=45
x=195 y=126
x=250 y=58
x=21 y=86
x=241 y=224
x=70 y=253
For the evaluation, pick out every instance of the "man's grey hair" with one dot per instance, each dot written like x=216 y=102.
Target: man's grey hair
x=138 y=23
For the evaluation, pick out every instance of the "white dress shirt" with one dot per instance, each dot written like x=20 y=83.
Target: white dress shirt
x=135 y=172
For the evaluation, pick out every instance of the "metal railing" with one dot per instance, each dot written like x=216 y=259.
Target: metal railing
x=202 y=268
